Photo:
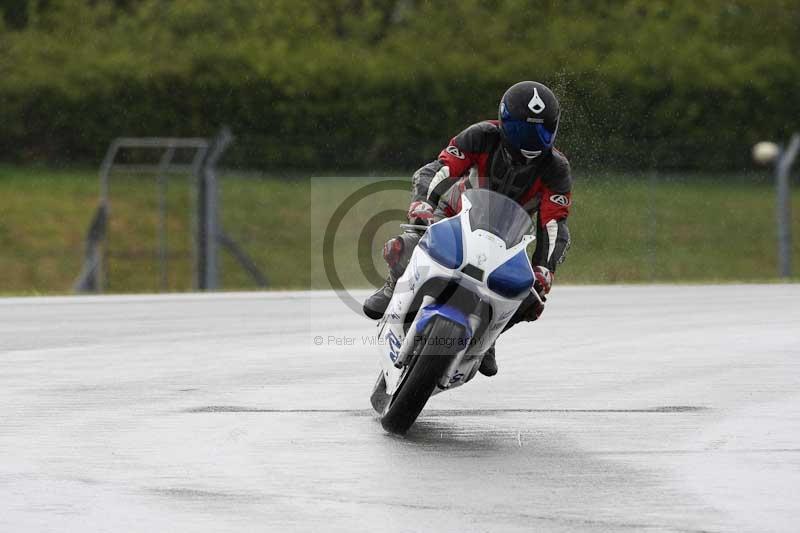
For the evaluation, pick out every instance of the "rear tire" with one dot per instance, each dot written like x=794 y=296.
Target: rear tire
x=426 y=370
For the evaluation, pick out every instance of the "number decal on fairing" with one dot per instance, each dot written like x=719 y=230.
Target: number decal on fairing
x=394 y=345
x=458 y=376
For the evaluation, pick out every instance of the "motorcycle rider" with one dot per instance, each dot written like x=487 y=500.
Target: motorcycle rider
x=513 y=155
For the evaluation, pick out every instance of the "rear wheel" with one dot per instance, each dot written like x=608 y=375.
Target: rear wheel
x=423 y=373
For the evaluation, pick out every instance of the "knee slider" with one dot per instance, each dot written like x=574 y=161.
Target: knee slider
x=397 y=252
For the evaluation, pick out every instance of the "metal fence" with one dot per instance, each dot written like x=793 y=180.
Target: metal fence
x=626 y=227
x=209 y=235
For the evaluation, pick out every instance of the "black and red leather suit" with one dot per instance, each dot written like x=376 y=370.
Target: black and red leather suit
x=475 y=158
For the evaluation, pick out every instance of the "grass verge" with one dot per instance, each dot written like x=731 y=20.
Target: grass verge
x=624 y=229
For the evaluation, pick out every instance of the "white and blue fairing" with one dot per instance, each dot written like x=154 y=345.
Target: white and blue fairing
x=483 y=250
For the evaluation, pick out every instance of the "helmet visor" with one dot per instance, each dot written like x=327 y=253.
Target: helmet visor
x=528 y=137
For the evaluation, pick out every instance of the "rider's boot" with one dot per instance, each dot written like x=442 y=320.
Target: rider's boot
x=396 y=252
x=488 y=363
x=376 y=304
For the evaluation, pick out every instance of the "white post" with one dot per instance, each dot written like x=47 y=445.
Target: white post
x=784 y=205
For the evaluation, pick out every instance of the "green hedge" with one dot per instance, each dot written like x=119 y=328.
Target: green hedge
x=359 y=84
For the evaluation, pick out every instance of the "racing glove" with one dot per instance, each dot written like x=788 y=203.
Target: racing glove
x=420 y=212
x=543 y=281
x=533 y=306
x=529 y=310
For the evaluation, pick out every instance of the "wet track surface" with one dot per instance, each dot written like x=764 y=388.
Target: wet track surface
x=651 y=408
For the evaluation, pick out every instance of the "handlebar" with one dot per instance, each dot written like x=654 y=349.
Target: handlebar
x=418 y=228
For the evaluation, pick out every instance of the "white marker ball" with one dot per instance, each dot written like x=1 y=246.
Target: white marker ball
x=765 y=152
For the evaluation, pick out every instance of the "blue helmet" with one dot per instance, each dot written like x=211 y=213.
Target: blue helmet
x=529 y=115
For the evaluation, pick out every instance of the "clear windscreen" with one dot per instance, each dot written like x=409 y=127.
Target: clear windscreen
x=498 y=214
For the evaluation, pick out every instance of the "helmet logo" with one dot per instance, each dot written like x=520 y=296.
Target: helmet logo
x=536 y=104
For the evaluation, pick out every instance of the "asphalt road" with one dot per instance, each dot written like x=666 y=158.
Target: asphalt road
x=654 y=408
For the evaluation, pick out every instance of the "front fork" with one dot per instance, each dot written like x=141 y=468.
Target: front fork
x=471 y=323
x=406 y=349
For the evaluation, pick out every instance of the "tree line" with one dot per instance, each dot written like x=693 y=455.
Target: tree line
x=376 y=84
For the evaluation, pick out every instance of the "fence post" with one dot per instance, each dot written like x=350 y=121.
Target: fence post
x=208 y=212
x=784 y=205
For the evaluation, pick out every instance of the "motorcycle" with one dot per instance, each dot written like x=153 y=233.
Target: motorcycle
x=463 y=283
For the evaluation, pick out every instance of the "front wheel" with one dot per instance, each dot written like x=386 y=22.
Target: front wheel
x=422 y=375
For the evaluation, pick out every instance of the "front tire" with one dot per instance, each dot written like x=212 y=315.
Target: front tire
x=425 y=371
